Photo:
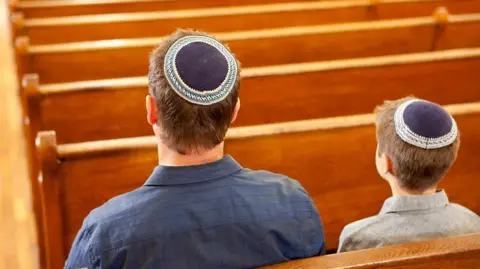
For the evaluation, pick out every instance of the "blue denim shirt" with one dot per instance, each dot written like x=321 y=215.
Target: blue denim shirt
x=217 y=215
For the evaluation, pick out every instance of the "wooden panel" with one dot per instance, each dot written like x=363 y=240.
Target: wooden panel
x=18 y=244
x=98 y=27
x=125 y=61
x=55 y=8
x=112 y=113
x=454 y=252
x=336 y=167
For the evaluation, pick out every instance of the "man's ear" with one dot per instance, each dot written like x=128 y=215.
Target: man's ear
x=151 y=107
x=235 y=111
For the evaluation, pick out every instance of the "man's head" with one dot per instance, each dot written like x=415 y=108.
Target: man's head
x=418 y=142
x=193 y=83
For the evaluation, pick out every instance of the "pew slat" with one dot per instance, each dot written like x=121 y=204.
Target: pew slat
x=330 y=159
x=123 y=58
x=112 y=109
x=455 y=252
x=54 y=8
x=146 y=24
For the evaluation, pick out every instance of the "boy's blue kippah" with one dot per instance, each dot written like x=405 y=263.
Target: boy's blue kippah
x=425 y=125
x=200 y=69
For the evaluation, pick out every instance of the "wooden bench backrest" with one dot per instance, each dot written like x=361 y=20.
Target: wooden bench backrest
x=446 y=253
x=147 y=24
x=335 y=165
x=128 y=57
x=53 y=8
x=114 y=109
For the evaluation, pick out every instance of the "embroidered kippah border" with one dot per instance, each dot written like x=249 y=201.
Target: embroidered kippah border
x=185 y=91
x=412 y=138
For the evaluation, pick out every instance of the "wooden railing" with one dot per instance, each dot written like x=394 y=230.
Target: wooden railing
x=126 y=57
x=146 y=24
x=447 y=253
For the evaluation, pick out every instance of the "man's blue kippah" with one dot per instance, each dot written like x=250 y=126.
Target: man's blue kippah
x=425 y=124
x=200 y=69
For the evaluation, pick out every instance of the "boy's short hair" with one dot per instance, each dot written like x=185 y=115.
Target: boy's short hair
x=187 y=127
x=415 y=168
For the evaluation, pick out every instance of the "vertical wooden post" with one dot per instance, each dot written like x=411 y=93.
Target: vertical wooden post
x=441 y=17
x=46 y=143
x=372 y=9
x=29 y=93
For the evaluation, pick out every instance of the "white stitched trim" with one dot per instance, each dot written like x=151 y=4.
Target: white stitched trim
x=412 y=138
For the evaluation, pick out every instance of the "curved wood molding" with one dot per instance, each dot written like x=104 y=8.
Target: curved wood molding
x=441 y=15
x=46 y=143
x=287 y=69
x=30 y=84
x=78 y=150
x=18 y=20
x=412 y=255
x=207 y=12
x=21 y=45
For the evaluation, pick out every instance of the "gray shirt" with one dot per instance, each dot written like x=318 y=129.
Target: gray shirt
x=412 y=218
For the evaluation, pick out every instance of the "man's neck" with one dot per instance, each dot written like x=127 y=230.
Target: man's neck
x=397 y=190
x=168 y=157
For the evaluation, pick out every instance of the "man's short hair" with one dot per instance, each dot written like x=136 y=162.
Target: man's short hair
x=187 y=127
x=416 y=169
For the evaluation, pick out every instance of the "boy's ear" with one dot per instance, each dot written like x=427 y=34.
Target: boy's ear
x=388 y=164
x=151 y=107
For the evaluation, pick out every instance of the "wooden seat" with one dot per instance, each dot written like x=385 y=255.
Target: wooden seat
x=54 y=8
x=332 y=158
x=123 y=58
x=446 y=253
x=107 y=109
x=147 y=24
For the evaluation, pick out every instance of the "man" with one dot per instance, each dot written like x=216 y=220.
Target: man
x=418 y=142
x=199 y=208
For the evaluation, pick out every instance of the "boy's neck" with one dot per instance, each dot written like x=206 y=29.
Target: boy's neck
x=399 y=191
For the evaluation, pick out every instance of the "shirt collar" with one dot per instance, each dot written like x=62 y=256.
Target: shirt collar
x=177 y=175
x=415 y=202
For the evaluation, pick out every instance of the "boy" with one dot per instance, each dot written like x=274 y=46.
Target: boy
x=418 y=142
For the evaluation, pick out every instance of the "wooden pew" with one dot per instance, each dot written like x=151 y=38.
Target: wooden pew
x=54 y=8
x=147 y=24
x=96 y=110
x=446 y=253
x=332 y=158
x=128 y=57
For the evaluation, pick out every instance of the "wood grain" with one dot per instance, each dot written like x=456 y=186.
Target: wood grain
x=18 y=244
x=123 y=58
x=455 y=252
x=148 y=24
x=334 y=165
x=94 y=110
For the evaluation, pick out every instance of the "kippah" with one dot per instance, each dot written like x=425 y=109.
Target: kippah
x=200 y=69
x=424 y=124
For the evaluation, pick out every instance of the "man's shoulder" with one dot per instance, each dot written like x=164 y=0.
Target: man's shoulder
x=273 y=182
x=117 y=207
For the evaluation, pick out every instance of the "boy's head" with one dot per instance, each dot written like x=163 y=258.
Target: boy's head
x=193 y=84
x=418 y=142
